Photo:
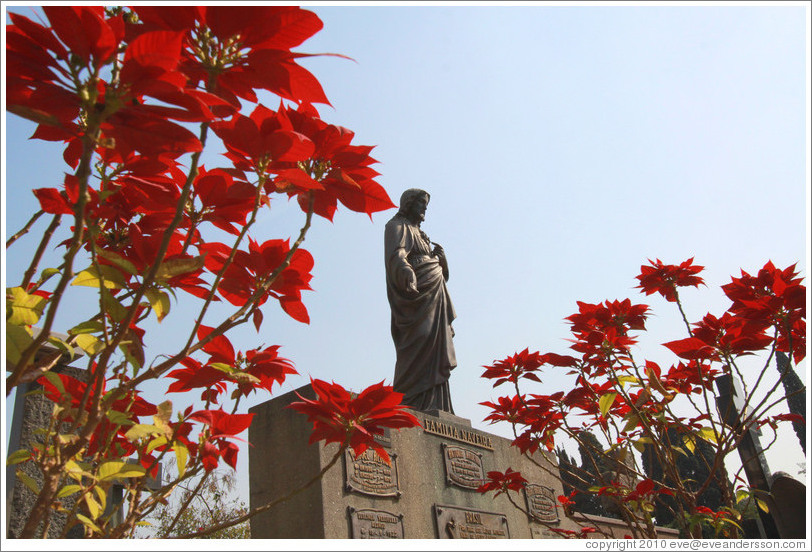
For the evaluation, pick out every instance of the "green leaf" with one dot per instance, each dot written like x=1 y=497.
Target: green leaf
x=92 y=277
x=18 y=457
x=18 y=338
x=28 y=481
x=56 y=381
x=113 y=306
x=605 y=403
x=62 y=346
x=68 y=490
x=176 y=267
x=118 y=260
x=741 y=494
x=90 y=344
x=763 y=505
x=632 y=421
x=628 y=379
x=119 y=418
x=88 y=326
x=159 y=301
x=101 y=495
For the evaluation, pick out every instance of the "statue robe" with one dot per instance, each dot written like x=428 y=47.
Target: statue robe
x=421 y=325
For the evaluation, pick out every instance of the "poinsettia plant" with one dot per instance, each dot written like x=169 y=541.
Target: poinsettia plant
x=135 y=95
x=646 y=416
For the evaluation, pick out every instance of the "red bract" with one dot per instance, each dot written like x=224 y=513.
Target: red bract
x=620 y=315
x=773 y=297
x=503 y=482
x=731 y=335
x=251 y=268
x=222 y=426
x=339 y=417
x=665 y=279
x=336 y=171
x=237 y=49
x=223 y=202
x=508 y=409
x=520 y=365
x=691 y=377
x=265 y=137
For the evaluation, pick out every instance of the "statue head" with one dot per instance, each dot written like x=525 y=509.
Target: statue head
x=413 y=204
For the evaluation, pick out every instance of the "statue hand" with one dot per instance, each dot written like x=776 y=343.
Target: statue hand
x=411 y=289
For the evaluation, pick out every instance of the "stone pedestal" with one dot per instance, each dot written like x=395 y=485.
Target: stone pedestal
x=428 y=492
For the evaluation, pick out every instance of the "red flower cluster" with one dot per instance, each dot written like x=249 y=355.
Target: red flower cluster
x=503 y=482
x=256 y=369
x=602 y=331
x=773 y=297
x=523 y=365
x=339 y=416
x=665 y=279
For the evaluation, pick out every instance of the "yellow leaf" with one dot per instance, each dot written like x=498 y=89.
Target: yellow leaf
x=181 y=454
x=689 y=442
x=707 y=434
x=90 y=344
x=93 y=507
x=18 y=457
x=92 y=277
x=159 y=301
x=28 y=481
x=176 y=267
x=88 y=523
x=68 y=490
x=605 y=403
x=109 y=469
x=101 y=495
x=118 y=260
x=762 y=505
x=18 y=338
x=23 y=309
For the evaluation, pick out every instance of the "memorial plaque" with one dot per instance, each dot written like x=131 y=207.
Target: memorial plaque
x=369 y=474
x=463 y=467
x=454 y=522
x=541 y=503
x=375 y=524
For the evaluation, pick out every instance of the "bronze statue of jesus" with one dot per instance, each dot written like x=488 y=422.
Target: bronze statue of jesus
x=422 y=311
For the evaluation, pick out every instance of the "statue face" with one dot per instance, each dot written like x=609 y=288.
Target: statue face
x=417 y=209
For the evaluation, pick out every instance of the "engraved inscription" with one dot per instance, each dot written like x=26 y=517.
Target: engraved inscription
x=458 y=434
x=463 y=467
x=465 y=523
x=375 y=524
x=541 y=503
x=369 y=474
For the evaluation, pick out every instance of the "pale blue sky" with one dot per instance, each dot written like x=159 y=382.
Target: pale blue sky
x=562 y=147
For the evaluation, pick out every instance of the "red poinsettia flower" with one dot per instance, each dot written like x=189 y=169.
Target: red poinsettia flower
x=338 y=416
x=665 y=279
x=503 y=482
x=773 y=297
x=238 y=49
x=337 y=170
x=251 y=268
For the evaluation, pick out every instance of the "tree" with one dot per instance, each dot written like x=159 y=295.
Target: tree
x=205 y=503
x=639 y=408
x=693 y=468
x=136 y=95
